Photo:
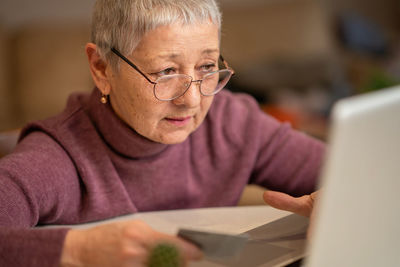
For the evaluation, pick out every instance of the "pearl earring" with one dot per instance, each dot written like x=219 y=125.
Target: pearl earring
x=103 y=98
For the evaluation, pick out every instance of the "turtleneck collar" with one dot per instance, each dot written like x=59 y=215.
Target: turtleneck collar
x=117 y=134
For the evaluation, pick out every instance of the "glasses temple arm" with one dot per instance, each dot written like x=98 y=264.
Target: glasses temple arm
x=226 y=63
x=115 y=51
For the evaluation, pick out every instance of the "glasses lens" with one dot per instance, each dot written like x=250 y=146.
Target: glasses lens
x=171 y=86
x=213 y=83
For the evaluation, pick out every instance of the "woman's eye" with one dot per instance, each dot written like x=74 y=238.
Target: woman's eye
x=209 y=67
x=168 y=71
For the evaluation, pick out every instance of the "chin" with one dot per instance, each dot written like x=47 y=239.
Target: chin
x=173 y=138
x=172 y=141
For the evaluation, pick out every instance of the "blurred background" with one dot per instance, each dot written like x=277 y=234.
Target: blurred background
x=296 y=57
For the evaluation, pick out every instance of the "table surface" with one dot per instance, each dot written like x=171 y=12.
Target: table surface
x=231 y=220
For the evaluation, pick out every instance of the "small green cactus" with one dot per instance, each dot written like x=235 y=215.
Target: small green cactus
x=164 y=255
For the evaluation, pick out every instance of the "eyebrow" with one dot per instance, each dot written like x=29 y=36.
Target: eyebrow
x=167 y=55
x=175 y=55
x=210 y=51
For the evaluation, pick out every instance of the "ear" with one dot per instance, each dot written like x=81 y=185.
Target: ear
x=99 y=69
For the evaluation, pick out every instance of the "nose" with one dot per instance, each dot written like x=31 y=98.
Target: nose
x=191 y=98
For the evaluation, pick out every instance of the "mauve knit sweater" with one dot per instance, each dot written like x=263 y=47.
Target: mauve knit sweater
x=86 y=164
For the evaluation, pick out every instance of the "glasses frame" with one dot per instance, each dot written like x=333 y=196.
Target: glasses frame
x=154 y=83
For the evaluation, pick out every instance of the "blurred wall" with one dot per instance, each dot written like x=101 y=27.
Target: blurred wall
x=42 y=57
x=6 y=98
x=258 y=31
x=16 y=13
x=277 y=44
x=270 y=43
x=50 y=64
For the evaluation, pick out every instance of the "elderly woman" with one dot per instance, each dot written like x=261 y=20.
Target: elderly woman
x=158 y=132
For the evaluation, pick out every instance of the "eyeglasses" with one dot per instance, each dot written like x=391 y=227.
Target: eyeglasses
x=170 y=87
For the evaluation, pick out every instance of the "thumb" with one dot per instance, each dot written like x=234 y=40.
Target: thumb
x=191 y=251
x=299 y=205
x=188 y=250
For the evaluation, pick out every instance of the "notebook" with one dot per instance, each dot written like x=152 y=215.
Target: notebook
x=358 y=214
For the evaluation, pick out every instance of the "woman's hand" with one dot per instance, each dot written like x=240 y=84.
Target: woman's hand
x=300 y=205
x=120 y=244
x=303 y=205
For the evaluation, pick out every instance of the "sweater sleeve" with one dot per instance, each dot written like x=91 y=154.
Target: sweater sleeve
x=30 y=194
x=287 y=160
x=31 y=247
x=276 y=156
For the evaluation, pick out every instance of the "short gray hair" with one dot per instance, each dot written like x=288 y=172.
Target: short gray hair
x=123 y=23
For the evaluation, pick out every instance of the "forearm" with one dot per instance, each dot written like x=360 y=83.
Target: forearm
x=72 y=249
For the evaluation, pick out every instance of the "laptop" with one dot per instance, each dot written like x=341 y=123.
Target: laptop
x=358 y=213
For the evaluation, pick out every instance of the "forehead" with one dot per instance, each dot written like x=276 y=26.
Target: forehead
x=178 y=39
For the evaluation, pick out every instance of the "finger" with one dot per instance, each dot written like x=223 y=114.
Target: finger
x=191 y=251
x=301 y=205
x=151 y=238
x=188 y=250
x=281 y=200
x=314 y=197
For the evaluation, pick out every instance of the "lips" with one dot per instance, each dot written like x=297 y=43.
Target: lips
x=179 y=121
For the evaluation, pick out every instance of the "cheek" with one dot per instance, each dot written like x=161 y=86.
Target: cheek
x=145 y=112
x=124 y=102
x=206 y=104
x=142 y=111
x=132 y=103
